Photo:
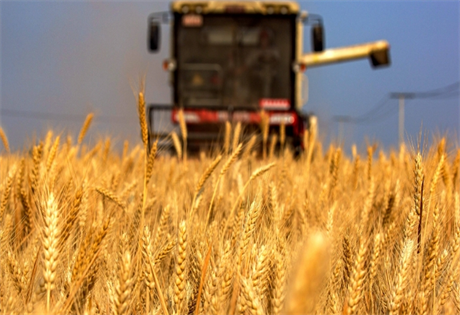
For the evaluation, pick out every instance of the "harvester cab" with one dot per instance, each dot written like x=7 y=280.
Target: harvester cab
x=233 y=60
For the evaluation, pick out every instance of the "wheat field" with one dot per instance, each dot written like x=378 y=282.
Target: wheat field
x=86 y=230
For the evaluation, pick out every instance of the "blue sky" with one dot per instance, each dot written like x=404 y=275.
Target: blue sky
x=70 y=58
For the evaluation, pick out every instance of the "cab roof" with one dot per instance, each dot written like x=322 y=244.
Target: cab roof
x=245 y=7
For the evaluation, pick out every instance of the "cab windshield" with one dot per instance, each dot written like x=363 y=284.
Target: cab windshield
x=233 y=61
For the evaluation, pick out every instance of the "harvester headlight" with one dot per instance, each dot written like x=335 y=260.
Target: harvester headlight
x=270 y=10
x=185 y=9
x=284 y=10
x=299 y=67
x=198 y=9
x=169 y=65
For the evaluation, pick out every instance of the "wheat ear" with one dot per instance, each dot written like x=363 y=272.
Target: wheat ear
x=183 y=131
x=264 y=125
x=162 y=226
x=111 y=196
x=72 y=216
x=157 y=286
x=7 y=191
x=228 y=131
x=165 y=250
x=363 y=227
x=177 y=144
x=86 y=270
x=249 y=146
x=357 y=280
x=17 y=274
x=273 y=141
x=4 y=140
x=142 y=119
x=455 y=169
x=279 y=281
x=232 y=159
x=374 y=264
x=311 y=143
x=432 y=255
x=125 y=279
x=259 y=172
x=282 y=135
x=50 y=246
x=435 y=180
x=202 y=279
x=147 y=257
x=85 y=127
x=311 y=265
x=260 y=271
x=223 y=278
x=252 y=216
x=251 y=299
x=181 y=263
x=150 y=161
x=418 y=174
x=105 y=152
x=52 y=154
x=401 y=280
x=203 y=180
x=35 y=176
x=28 y=215
x=370 y=154
x=236 y=136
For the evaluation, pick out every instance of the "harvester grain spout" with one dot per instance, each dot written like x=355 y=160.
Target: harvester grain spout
x=376 y=51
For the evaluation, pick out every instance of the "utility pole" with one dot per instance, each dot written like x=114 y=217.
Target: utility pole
x=402 y=97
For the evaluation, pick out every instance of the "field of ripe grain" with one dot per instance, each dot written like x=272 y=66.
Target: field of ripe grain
x=84 y=230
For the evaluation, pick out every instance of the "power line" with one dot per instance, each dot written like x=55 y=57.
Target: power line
x=381 y=112
x=374 y=111
x=63 y=117
x=439 y=92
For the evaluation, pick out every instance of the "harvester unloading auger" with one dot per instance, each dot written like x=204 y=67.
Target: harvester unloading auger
x=233 y=60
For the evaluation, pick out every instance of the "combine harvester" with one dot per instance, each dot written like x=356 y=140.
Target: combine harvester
x=233 y=60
